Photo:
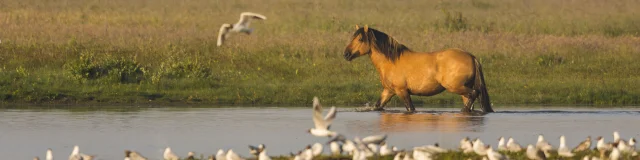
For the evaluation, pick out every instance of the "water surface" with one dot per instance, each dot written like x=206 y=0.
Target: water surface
x=25 y=133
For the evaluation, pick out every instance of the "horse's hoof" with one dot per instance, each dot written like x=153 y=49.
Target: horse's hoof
x=378 y=109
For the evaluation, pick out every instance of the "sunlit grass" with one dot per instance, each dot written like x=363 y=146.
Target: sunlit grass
x=533 y=52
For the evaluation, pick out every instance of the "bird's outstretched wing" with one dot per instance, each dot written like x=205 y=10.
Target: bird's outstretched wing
x=337 y=138
x=245 y=18
x=318 y=121
x=330 y=116
x=375 y=139
x=222 y=33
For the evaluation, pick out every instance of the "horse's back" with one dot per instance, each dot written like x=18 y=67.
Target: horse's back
x=454 y=54
x=455 y=67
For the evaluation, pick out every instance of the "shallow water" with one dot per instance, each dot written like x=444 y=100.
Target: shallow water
x=25 y=133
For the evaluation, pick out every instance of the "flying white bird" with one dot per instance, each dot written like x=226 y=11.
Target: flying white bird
x=322 y=124
x=241 y=27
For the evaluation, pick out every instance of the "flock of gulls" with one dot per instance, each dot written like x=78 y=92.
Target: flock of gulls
x=374 y=147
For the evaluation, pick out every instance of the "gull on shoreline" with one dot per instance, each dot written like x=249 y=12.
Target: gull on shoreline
x=563 y=151
x=513 y=146
x=169 y=155
x=501 y=145
x=76 y=155
x=584 y=145
x=535 y=153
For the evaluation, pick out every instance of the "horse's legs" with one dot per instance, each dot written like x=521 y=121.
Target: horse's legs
x=467 y=96
x=472 y=97
x=406 y=98
x=385 y=96
x=468 y=100
x=465 y=101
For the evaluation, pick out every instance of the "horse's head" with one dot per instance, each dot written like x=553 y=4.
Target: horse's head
x=359 y=44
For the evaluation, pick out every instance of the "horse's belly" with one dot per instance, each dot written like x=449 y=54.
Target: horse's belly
x=427 y=88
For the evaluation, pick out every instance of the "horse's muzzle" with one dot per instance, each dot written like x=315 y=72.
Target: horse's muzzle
x=349 y=56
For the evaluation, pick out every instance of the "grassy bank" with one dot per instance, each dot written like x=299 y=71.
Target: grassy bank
x=96 y=52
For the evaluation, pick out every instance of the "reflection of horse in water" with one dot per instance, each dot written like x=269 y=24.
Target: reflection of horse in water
x=441 y=122
x=404 y=72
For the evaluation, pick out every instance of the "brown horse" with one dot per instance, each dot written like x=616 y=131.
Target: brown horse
x=404 y=72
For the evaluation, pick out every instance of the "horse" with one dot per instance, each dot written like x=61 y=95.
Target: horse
x=404 y=72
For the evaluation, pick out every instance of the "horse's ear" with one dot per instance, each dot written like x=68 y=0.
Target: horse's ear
x=357 y=27
x=366 y=28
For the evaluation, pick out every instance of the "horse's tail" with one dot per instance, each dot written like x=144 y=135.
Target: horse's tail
x=481 y=87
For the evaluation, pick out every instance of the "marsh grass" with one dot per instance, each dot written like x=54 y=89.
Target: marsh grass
x=89 y=51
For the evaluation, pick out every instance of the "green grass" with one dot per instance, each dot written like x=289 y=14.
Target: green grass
x=108 y=52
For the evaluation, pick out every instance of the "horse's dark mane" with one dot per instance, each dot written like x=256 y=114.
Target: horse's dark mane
x=383 y=42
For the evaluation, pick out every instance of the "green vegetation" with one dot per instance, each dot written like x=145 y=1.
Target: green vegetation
x=121 y=51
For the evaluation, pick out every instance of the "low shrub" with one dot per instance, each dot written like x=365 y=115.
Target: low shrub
x=122 y=70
